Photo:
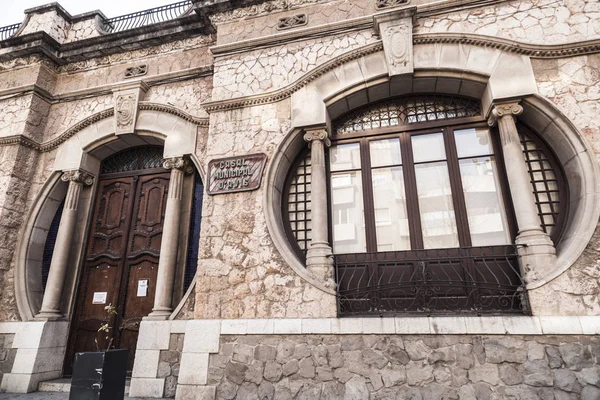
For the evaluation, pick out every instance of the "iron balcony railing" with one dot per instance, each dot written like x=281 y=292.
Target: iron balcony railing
x=147 y=17
x=8 y=31
x=476 y=280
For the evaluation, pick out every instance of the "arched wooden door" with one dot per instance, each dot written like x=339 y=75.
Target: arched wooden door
x=122 y=254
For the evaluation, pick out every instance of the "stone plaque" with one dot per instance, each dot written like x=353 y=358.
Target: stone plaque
x=235 y=174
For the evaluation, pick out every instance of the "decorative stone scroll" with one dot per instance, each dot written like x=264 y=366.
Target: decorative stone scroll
x=126 y=106
x=396 y=28
x=79 y=176
x=390 y=3
x=235 y=174
x=138 y=70
x=292 y=22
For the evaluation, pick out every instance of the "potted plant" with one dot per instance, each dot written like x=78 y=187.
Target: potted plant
x=100 y=375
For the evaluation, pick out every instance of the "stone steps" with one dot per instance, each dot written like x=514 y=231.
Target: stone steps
x=63 y=385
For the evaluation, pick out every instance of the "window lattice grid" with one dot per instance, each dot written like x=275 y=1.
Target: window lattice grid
x=133 y=159
x=544 y=182
x=298 y=203
x=405 y=111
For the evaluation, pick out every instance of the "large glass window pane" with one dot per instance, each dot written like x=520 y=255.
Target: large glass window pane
x=385 y=152
x=428 y=147
x=473 y=142
x=483 y=198
x=391 y=221
x=344 y=157
x=347 y=213
x=438 y=222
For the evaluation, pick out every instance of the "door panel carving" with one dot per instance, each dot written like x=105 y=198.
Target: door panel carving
x=121 y=261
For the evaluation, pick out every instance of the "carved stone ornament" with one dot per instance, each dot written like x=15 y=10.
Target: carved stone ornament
x=317 y=134
x=502 y=110
x=182 y=163
x=389 y=3
x=125 y=110
x=292 y=22
x=138 y=70
x=397 y=39
x=78 y=176
x=398 y=51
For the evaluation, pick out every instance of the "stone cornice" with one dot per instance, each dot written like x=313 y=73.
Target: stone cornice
x=105 y=45
x=512 y=46
x=102 y=90
x=296 y=34
x=52 y=144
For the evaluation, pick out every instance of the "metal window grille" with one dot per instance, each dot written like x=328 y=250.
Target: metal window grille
x=191 y=263
x=297 y=204
x=50 y=242
x=133 y=159
x=544 y=182
x=147 y=17
x=408 y=110
x=476 y=280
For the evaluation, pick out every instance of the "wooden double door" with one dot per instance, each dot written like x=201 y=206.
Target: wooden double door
x=121 y=262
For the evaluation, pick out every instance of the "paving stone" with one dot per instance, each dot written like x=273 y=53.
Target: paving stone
x=356 y=389
x=537 y=373
x=566 y=380
x=509 y=374
x=265 y=353
x=272 y=371
x=575 y=356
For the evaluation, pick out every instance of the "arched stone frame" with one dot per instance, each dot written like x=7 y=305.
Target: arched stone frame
x=83 y=147
x=486 y=73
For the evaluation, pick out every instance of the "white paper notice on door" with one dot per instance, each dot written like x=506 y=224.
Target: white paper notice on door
x=142 y=290
x=99 y=298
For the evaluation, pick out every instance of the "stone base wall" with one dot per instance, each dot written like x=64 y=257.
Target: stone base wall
x=7 y=353
x=169 y=362
x=406 y=367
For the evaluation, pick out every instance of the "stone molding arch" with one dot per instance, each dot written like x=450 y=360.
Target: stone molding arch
x=83 y=146
x=486 y=73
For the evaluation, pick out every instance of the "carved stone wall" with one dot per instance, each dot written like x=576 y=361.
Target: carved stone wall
x=573 y=85
x=272 y=68
x=406 y=367
x=530 y=21
x=241 y=275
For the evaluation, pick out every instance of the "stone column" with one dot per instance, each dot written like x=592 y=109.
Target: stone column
x=537 y=254
x=165 y=279
x=60 y=258
x=319 y=258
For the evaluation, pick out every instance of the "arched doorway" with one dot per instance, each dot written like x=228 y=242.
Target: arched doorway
x=122 y=252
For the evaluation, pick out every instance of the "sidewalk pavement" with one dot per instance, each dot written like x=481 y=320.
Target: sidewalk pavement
x=47 y=396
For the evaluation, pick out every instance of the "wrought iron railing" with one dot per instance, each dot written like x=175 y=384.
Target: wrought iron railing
x=146 y=17
x=8 y=31
x=477 y=280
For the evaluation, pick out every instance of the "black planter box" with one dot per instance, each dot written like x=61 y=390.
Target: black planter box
x=99 y=375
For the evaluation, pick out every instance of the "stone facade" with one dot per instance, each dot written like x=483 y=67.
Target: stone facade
x=7 y=353
x=222 y=80
x=399 y=366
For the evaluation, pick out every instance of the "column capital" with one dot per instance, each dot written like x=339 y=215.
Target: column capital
x=182 y=163
x=504 y=109
x=320 y=134
x=78 y=176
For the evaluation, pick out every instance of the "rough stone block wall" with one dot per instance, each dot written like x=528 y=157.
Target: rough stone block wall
x=7 y=353
x=169 y=362
x=573 y=85
x=406 y=367
x=530 y=21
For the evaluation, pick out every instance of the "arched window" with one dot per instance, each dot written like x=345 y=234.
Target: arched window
x=420 y=213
